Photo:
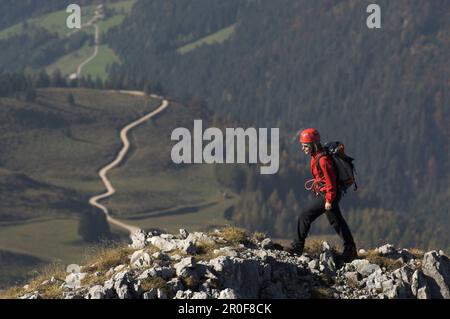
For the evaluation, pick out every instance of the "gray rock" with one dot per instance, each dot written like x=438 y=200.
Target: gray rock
x=160 y=256
x=352 y=276
x=369 y=269
x=228 y=251
x=165 y=273
x=357 y=264
x=422 y=293
x=147 y=273
x=188 y=247
x=119 y=268
x=386 y=250
x=33 y=295
x=267 y=243
x=403 y=291
x=175 y=284
x=136 y=255
x=228 y=293
x=73 y=295
x=375 y=279
x=304 y=259
x=187 y=262
x=108 y=289
x=96 y=292
x=184 y=233
x=273 y=291
x=139 y=239
x=204 y=271
x=313 y=264
x=387 y=285
x=200 y=295
x=176 y=257
x=143 y=261
x=327 y=260
x=167 y=236
x=123 y=292
x=404 y=274
x=364 y=267
x=73 y=280
x=437 y=267
x=122 y=284
x=187 y=294
x=161 y=294
x=239 y=274
x=188 y=272
x=197 y=237
x=151 y=294
x=164 y=244
x=419 y=287
x=215 y=294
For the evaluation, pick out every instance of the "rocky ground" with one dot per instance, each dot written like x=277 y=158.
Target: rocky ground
x=228 y=265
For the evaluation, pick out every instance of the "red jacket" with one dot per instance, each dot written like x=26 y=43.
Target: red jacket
x=326 y=183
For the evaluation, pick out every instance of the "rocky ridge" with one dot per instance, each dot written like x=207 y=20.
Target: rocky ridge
x=201 y=266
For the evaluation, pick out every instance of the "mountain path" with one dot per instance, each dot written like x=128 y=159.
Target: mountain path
x=120 y=156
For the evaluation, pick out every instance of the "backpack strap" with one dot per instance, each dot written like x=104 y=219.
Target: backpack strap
x=319 y=169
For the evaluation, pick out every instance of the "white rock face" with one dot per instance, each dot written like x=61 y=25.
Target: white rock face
x=183 y=233
x=186 y=263
x=164 y=244
x=227 y=294
x=139 y=239
x=96 y=292
x=437 y=267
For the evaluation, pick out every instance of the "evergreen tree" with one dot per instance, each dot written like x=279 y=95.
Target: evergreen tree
x=71 y=99
x=30 y=95
x=93 y=226
x=42 y=80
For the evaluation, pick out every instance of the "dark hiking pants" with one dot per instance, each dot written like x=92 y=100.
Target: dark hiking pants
x=316 y=208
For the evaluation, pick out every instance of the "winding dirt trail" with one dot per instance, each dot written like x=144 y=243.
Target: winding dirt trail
x=126 y=145
x=94 y=55
x=93 y=22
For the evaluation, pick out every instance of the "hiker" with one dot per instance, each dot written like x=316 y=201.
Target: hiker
x=328 y=194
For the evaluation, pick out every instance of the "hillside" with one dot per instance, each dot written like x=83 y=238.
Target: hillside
x=52 y=150
x=230 y=264
x=384 y=93
x=23 y=198
x=42 y=41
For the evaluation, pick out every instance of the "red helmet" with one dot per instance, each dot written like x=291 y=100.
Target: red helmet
x=310 y=135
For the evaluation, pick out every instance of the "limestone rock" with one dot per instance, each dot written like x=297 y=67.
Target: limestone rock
x=437 y=267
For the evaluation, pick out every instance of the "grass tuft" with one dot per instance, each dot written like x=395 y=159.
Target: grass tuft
x=375 y=258
x=155 y=283
x=233 y=235
x=314 y=247
x=205 y=250
x=47 y=291
x=258 y=236
x=105 y=257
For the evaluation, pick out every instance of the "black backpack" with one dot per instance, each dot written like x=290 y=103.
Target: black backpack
x=343 y=164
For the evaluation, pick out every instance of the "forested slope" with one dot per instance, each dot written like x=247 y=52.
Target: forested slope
x=315 y=63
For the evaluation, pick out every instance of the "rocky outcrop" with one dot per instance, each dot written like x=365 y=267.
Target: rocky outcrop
x=201 y=266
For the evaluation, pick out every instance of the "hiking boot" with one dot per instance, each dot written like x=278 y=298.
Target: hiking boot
x=296 y=248
x=349 y=254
